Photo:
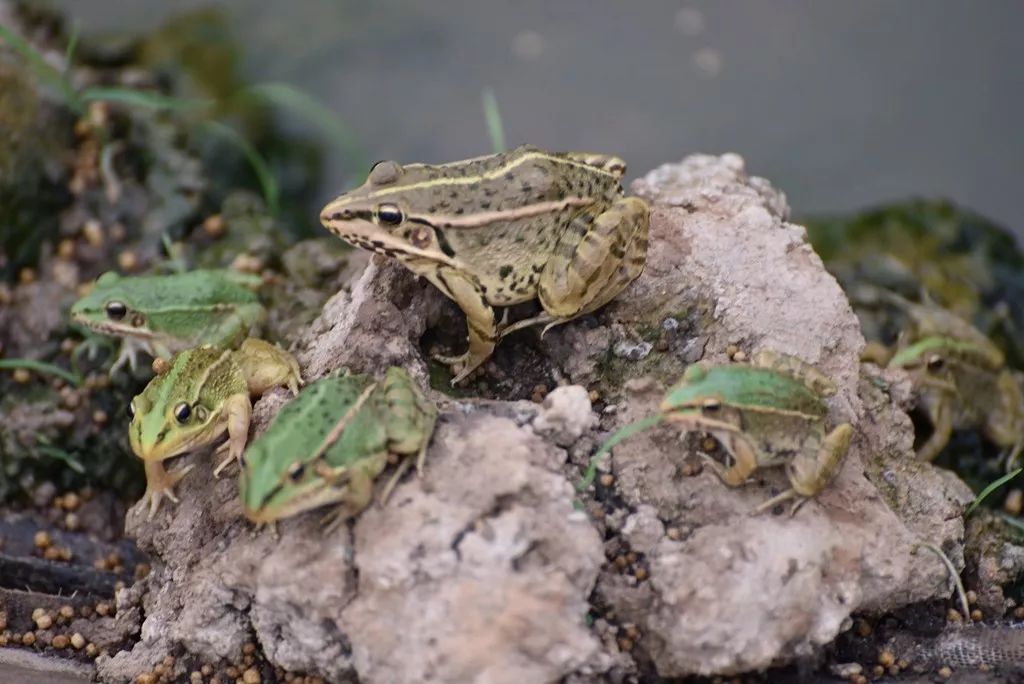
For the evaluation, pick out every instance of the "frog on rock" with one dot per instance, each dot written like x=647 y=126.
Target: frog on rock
x=767 y=413
x=197 y=397
x=503 y=229
x=328 y=445
x=163 y=314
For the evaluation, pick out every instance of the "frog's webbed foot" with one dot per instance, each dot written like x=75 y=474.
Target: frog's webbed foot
x=160 y=484
x=129 y=354
x=462 y=365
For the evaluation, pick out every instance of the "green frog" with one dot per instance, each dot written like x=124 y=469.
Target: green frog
x=163 y=314
x=959 y=377
x=500 y=230
x=195 y=398
x=769 y=412
x=328 y=445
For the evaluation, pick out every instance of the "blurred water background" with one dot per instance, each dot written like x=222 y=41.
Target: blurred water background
x=841 y=104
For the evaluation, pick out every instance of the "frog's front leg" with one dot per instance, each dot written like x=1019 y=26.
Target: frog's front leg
x=810 y=471
x=480 y=322
x=744 y=459
x=941 y=414
x=411 y=416
x=160 y=483
x=237 y=413
x=358 y=481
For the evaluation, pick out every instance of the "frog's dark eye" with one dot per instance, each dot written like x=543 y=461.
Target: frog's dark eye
x=389 y=214
x=935 y=362
x=295 y=471
x=131 y=411
x=116 y=310
x=711 y=405
x=182 y=412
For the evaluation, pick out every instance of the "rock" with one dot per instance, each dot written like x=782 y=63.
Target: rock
x=565 y=415
x=481 y=569
x=738 y=592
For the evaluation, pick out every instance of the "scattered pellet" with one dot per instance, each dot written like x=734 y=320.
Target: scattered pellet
x=60 y=641
x=77 y=641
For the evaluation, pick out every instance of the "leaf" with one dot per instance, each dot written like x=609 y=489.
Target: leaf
x=271 y=191
x=40 y=367
x=141 y=98
x=43 y=70
x=492 y=116
x=623 y=433
x=993 y=486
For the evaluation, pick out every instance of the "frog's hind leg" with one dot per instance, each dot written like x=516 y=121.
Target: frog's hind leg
x=597 y=256
x=811 y=471
x=265 y=365
x=412 y=416
x=941 y=415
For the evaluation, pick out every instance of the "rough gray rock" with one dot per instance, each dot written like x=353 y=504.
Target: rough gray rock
x=735 y=592
x=481 y=570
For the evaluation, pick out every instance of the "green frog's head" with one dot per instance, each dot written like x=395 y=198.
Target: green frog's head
x=273 y=487
x=183 y=407
x=115 y=307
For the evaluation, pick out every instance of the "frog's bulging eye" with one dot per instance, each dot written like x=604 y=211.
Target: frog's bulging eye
x=295 y=471
x=116 y=310
x=389 y=214
x=384 y=173
x=936 y=362
x=711 y=405
x=182 y=412
x=131 y=411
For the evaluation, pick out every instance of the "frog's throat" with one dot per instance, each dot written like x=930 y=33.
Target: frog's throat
x=269 y=513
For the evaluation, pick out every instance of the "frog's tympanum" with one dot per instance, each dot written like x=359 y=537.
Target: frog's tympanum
x=195 y=398
x=503 y=229
x=165 y=314
x=327 y=446
x=767 y=413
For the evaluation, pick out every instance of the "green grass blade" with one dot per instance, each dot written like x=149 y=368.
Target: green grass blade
x=315 y=112
x=40 y=367
x=492 y=115
x=624 y=432
x=142 y=98
x=43 y=70
x=993 y=486
x=61 y=455
x=69 y=52
x=268 y=184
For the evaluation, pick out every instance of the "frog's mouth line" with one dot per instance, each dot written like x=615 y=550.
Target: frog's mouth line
x=113 y=328
x=268 y=513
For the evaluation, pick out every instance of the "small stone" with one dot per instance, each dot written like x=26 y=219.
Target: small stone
x=42 y=540
x=877 y=671
x=71 y=521
x=21 y=376
x=92 y=650
x=52 y=553
x=206 y=670
x=674 y=533
x=945 y=672
x=66 y=612
x=214 y=225
x=1018 y=612
x=976 y=615
x=146 y=678
x=640 y=574
x=38 y=613
x=103 y=609
x=128 y=260
x=972 y=597
x=77 y=641
x=740 y=356
x=251 y=676
x=1014 y=502
x=26 y=276
x=60 y=641
x=66 y=249
x=607 y=480
x=28 y=638
x=953 y=615
x=886 y=658
x=195 y=677
x=92 y=231
x=232 y=672
x=99 y=416
x=44 y=621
